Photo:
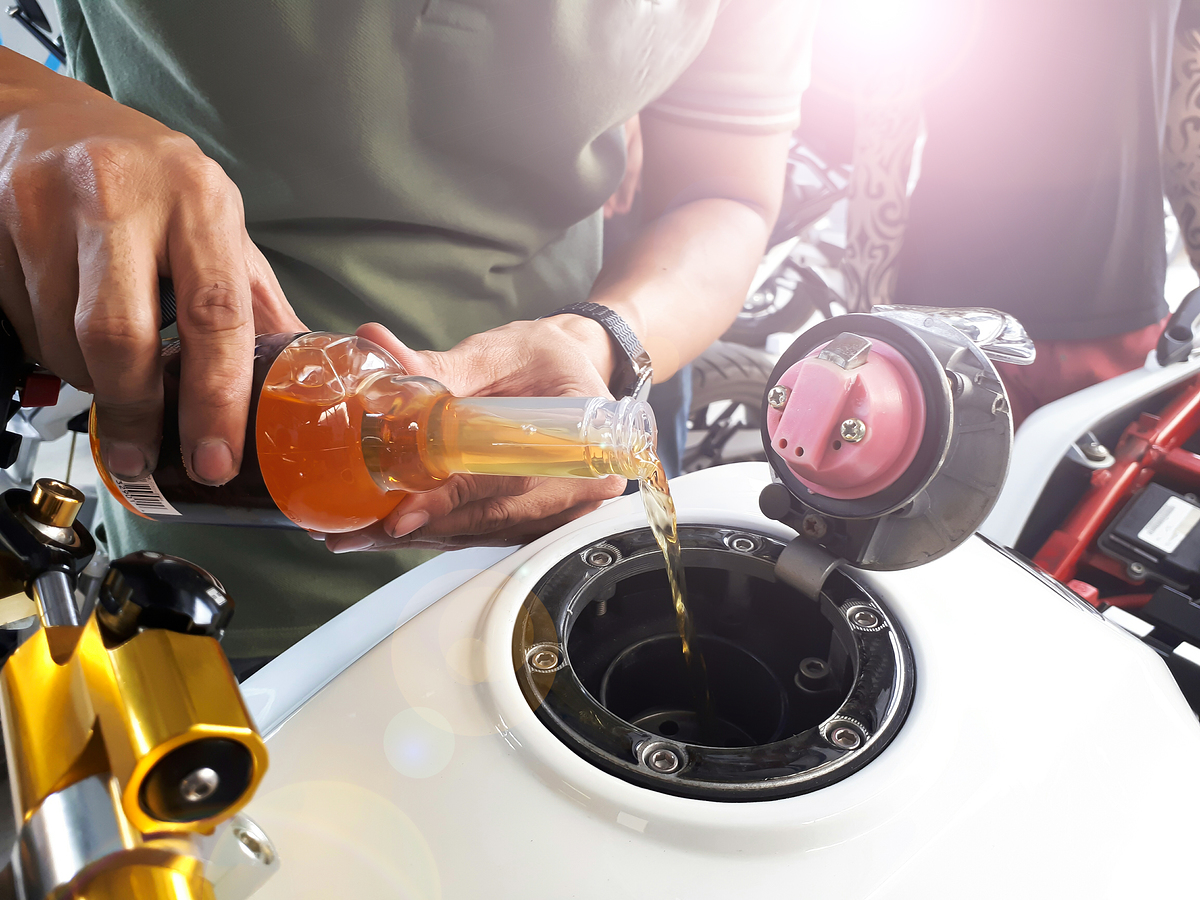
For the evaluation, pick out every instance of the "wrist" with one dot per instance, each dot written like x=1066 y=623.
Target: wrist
x=627 y=363
x=592 y=339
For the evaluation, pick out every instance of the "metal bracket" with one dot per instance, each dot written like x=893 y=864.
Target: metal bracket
x=805 y=566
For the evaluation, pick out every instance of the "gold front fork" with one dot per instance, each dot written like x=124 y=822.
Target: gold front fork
x=126 y=748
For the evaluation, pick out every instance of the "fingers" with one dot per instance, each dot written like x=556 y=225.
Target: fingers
x=447 y=502
x=543 y=358
x=13 y=302
x=376 y=536
x=215 y=317
x=90 y=183
x=47 y=281
x=116 y=324
x=521 y=533
x=377 y=334
x=498 y=519
x=415 y=510
x=272 y=312
x=547 y=357
x=457 y=370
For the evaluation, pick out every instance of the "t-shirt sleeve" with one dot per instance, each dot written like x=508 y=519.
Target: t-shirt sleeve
x=751 y=72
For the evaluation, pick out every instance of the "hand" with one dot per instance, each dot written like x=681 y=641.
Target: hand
x=559 y=356
x=621 y=202
x=97 y=201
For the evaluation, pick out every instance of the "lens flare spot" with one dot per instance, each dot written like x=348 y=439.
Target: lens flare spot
x=419 y=742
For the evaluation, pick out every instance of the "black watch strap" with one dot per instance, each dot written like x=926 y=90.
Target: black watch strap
x=632 y=373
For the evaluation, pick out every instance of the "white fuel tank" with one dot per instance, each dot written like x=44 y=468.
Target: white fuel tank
x=1045 y=753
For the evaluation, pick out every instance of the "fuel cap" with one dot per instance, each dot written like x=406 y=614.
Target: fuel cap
x=889 y=435
x=852 y=418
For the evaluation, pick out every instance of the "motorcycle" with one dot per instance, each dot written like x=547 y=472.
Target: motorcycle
x=1102 y=497
x=905 y=703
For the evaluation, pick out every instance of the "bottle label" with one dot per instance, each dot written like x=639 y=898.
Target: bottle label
x=144 y=496
x=170 y=495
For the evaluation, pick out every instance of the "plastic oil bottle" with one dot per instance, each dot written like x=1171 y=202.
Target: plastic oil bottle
x=338 y=433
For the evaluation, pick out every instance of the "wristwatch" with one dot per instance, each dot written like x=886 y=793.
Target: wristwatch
x=632 y=372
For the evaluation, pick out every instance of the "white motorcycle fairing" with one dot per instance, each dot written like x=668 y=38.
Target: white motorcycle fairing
x=1047 y=753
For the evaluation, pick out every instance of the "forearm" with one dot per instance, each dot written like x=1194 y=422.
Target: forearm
x=886 y=129
x=1181 y=144
x=682 y=281
x=710 y=199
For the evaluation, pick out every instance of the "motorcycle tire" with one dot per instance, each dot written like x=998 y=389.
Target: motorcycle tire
x=728 y=383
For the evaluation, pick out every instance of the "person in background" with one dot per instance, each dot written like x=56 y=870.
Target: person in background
x=1052 y=129
x=435 y=166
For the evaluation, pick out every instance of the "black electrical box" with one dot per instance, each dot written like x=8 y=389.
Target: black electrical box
x=1157 y=531
x=1174 y=611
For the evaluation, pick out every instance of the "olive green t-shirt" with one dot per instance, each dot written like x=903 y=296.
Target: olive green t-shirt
x=435 y=165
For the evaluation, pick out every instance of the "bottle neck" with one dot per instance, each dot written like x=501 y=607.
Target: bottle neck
x=427 y=434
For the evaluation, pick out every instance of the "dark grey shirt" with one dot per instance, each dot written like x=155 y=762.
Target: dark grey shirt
x=1041 y=189
x=434 y=165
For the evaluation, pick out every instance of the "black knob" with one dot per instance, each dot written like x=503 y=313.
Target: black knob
x=775 y=501
x=151 y=590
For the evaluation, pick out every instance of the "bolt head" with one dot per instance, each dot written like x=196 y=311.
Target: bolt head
x=864 y=618
x=777 y=397
x=813 y=667
x=663 y=760
x=600 y=558
x=853 y=430
x=813 y=526
x=199 y=785
x=742 y=543
x=544 y=659
x=845 y=736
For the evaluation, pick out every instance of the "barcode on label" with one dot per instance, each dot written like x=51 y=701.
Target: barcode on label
x=144 y=496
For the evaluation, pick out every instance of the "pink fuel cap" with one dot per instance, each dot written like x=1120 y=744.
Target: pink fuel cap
x=848 y=418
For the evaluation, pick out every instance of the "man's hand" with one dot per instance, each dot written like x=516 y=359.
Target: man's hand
x=559 y=356
x=621 y=202
x=97 y=201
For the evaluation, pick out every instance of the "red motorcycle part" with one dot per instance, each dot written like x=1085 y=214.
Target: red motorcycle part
x=1150 y=445
x=39 y=389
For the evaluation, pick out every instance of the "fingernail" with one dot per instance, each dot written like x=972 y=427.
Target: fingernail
x=212 y=462
x=126 y=460
x=348 y=543
x=408 y=523
x=317 y=535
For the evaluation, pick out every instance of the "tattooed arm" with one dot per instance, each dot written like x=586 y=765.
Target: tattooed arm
x=1181 y=143
x=886 y=125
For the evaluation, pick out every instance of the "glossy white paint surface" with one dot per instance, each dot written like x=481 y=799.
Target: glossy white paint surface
x=282 y=686
x=1044 y=438
x=1048 y=754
